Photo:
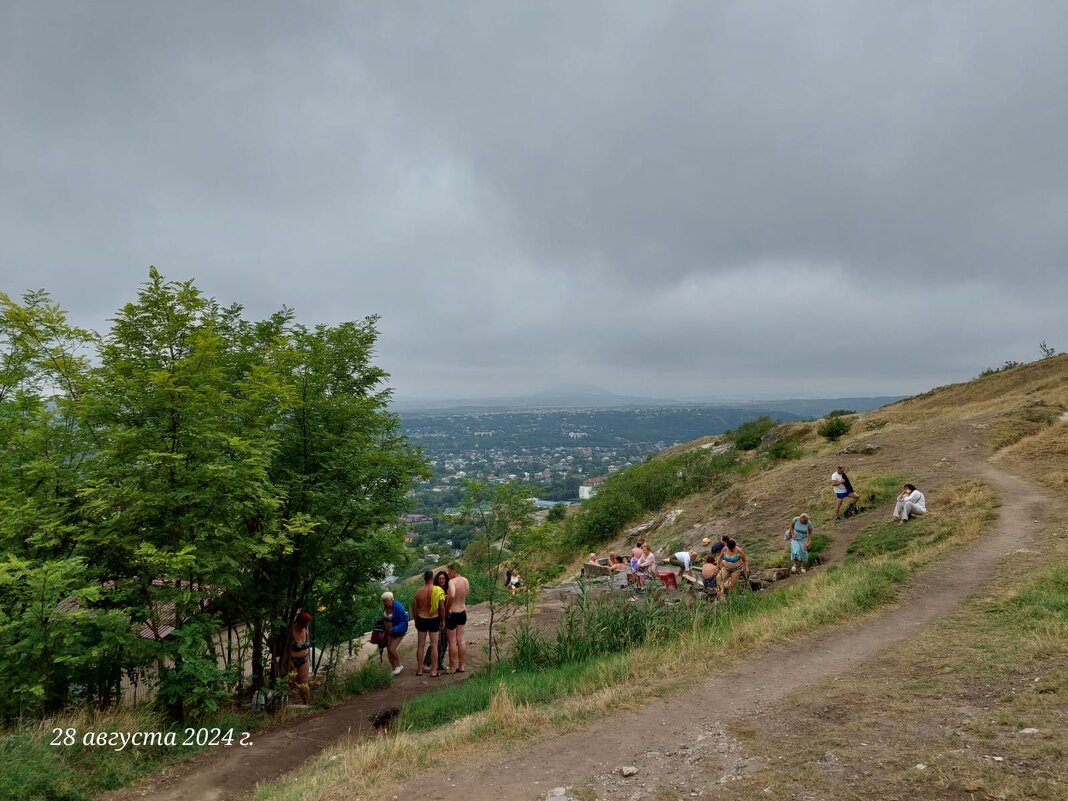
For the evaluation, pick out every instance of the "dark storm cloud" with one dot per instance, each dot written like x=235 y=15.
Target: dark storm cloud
x=672 y=198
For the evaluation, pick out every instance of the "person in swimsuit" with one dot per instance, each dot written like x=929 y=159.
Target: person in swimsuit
x=441 y=579
x=396 y=620
x=300 y=657
x=429 y=614
x=456 y=618
x=732 y=564
x=709 y=571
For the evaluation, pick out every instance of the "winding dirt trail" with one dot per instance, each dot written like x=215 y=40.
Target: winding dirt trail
x=593 y=755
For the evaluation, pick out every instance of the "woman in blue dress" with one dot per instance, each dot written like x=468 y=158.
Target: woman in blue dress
x=800 y=532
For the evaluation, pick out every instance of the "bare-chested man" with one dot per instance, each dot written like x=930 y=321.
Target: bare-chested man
x=429 y=614
x=456 y=618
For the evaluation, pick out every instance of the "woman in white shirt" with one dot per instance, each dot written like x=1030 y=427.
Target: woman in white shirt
x=909 y=504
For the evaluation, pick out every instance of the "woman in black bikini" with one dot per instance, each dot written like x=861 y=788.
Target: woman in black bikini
x=441 y=579
x=300 y=656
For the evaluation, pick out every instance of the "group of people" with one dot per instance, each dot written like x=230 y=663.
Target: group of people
x=722 y=567
x=440 y=605
x=440 y=612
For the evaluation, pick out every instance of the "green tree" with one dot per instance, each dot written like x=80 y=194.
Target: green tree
x=501 y=515
x=342 y=472
x=187 y=469
x=184 y=427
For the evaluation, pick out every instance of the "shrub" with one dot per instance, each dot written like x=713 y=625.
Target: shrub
x=1009 y=364
x=556 y=513
x=840 y=412
x=834 y=428
x=747 y=436
x=784 y=449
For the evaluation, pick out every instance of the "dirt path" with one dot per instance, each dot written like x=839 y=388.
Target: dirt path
x=594 y=755
x=234 y=772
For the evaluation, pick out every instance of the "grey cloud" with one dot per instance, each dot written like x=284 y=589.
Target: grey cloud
x=680 y=194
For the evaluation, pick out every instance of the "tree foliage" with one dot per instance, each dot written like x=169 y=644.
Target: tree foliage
x=186 y=469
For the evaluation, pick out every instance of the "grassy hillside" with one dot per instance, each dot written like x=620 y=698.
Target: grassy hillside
x=939 y=440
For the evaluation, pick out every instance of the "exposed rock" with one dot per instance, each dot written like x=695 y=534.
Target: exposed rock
x=628 y=770
x=776 y=573
x=671 y=517
x=861 y=447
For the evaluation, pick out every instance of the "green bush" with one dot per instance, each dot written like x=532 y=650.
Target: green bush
x=840 y=412
x=556 y=513
x=747 y=436
x=834 y=428
x=784 y=449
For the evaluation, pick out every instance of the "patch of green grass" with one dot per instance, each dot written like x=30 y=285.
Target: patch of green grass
x=886 y=537
x=370 y=676
x=31 y=769
x=880 y=490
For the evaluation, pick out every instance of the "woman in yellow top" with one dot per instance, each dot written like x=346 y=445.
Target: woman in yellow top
x=441 y=581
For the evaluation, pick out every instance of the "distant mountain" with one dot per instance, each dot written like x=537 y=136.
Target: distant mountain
x=588 y=396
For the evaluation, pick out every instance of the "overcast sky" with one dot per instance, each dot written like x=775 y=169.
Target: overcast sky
x=687 y=200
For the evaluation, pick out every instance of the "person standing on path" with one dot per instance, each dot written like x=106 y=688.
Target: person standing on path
x=441 y=580
x=800 y=532
x=456 y=618
x=429 y=613
x=843 y=489
x=909 y=504
x=396 y=627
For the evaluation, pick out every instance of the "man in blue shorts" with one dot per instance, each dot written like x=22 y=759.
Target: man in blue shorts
x=843 y=490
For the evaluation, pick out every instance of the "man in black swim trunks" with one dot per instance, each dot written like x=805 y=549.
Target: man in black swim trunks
x=428 y=607
x=456 y=618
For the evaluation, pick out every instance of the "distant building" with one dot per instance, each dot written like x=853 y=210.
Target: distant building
x=588 y=488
